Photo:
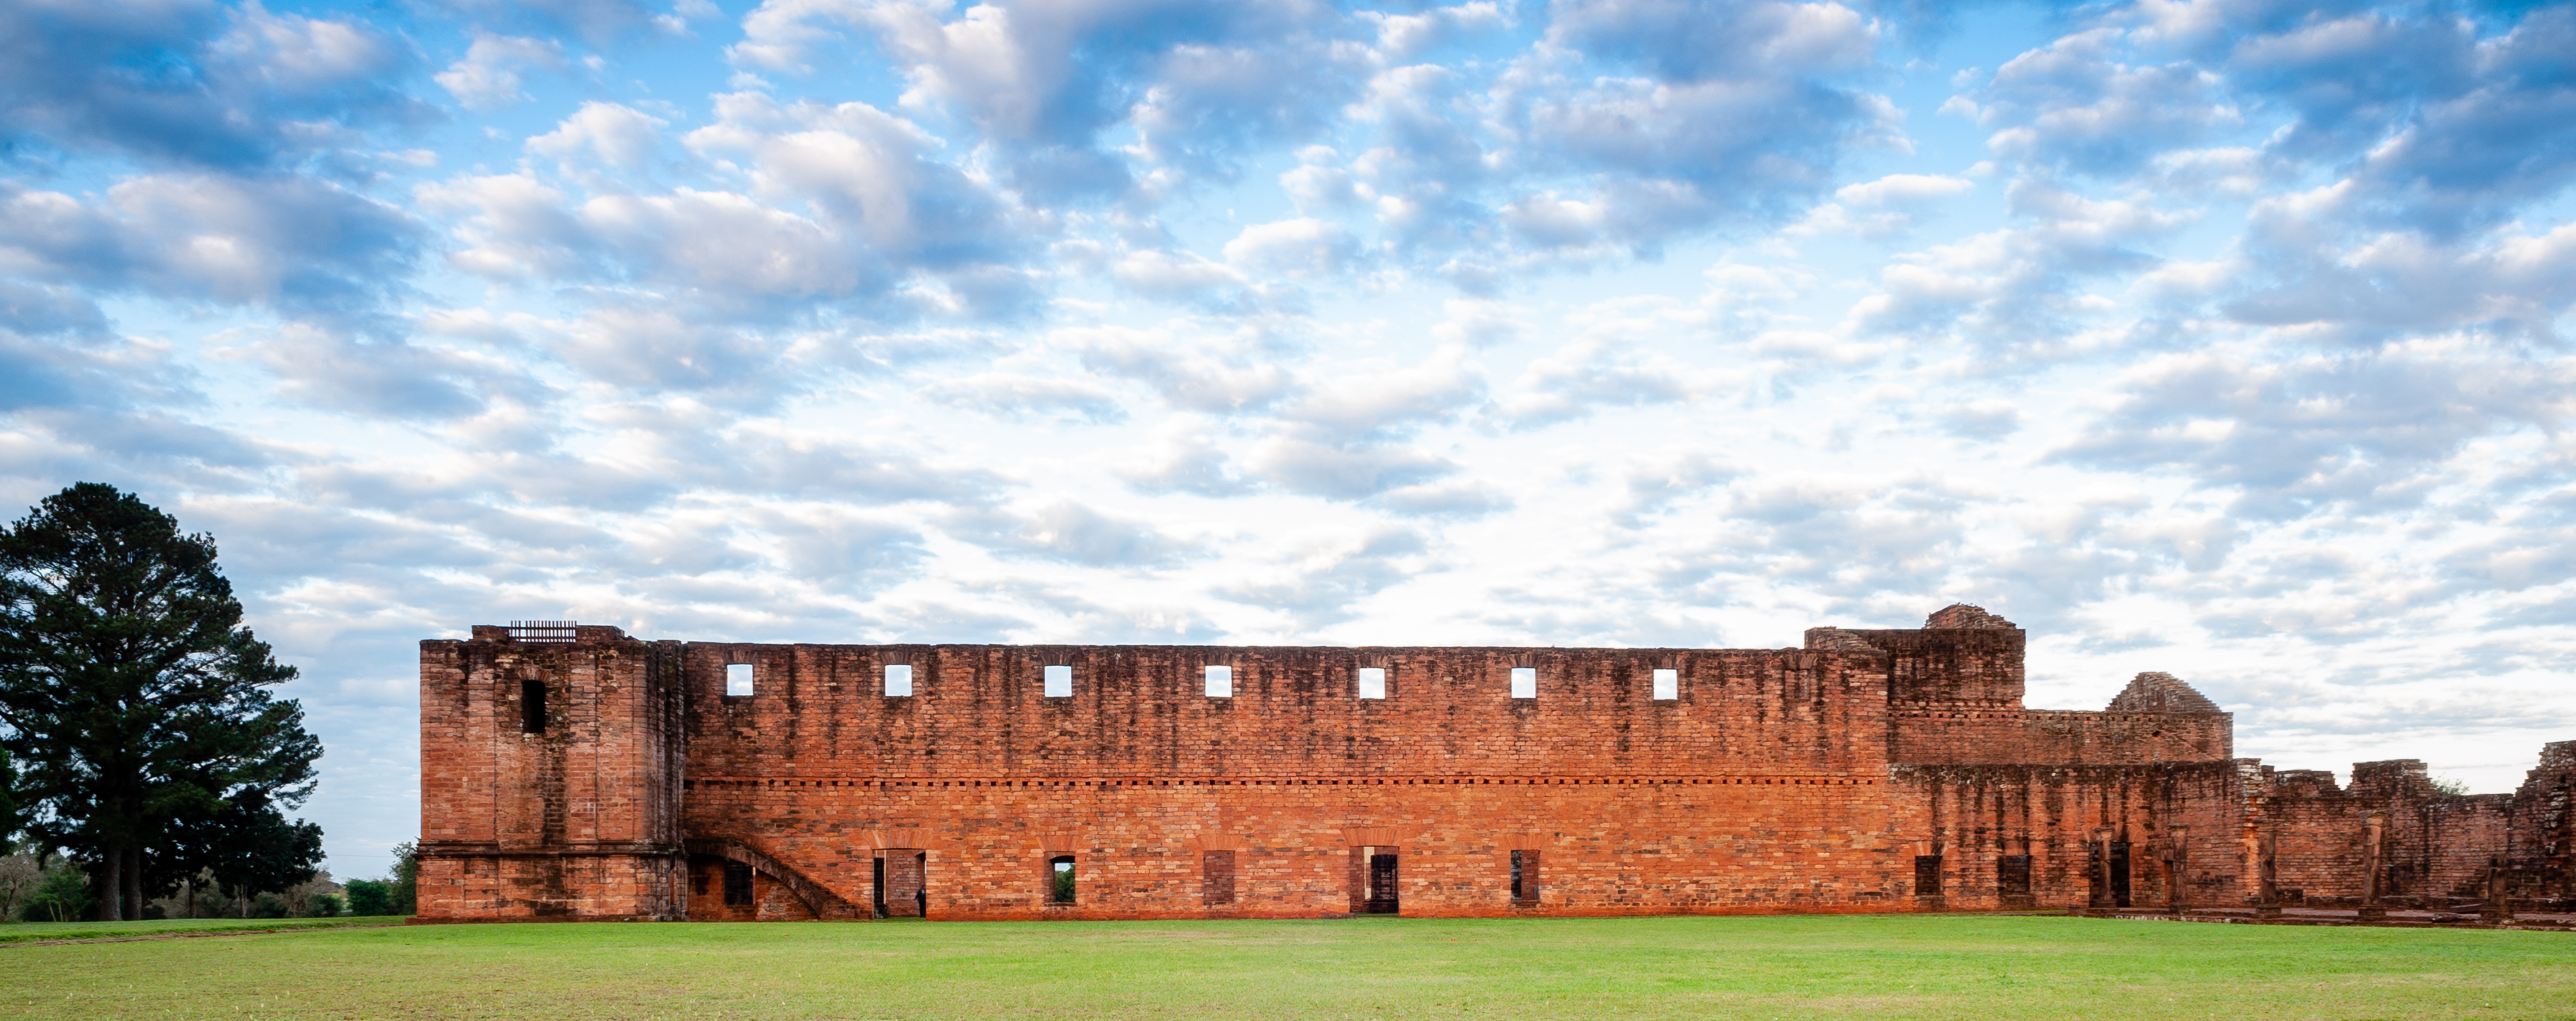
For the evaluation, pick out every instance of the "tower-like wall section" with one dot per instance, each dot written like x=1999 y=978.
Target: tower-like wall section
x=550 y=778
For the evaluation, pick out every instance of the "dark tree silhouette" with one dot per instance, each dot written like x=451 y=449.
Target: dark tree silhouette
x=11 y=819
x=248 y=845
x=134 y=702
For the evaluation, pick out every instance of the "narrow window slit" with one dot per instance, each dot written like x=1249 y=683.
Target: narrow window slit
x=532 y=706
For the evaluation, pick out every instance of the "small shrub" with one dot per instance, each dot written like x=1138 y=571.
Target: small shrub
x=62 y=897
x=322 y=905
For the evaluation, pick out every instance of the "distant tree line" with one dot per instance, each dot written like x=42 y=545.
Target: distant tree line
x=139 y=741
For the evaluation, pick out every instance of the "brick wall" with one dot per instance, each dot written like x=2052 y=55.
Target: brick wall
x=1812 y=779
x=580 y=819
x=2437 y=850
x=978 y=712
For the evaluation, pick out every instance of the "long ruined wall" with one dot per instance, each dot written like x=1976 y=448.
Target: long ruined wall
x=978 y=712
x=1607 y=847
x=2436 y=849
x=1870 y=771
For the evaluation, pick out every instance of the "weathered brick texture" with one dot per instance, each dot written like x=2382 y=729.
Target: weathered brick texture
x=1837 y=777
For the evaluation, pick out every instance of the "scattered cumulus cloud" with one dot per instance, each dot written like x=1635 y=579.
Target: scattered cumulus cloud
x=2221 y=338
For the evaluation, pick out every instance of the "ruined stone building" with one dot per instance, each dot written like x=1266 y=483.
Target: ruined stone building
x=575 y=772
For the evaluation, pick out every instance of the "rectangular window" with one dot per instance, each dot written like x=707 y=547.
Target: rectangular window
x=532 y=707
x=737 y=679
x=737 y=885
x=1524 y=682
x=1524 y=878
x=898 y=679
x=1059 y=682
x=1060 y=879
x=1220 y=682
x=1372 y=682
x=1216 y=877
x=1927 y=875
x=1668 y=685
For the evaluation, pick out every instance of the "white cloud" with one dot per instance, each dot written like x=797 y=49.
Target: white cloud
x=1299 y=247
x=487 y=77
x=614 y=134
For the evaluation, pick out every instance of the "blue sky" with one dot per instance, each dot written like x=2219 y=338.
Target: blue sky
x=2223 y=338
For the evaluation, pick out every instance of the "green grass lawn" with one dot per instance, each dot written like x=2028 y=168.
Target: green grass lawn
x=32 y=931
x=1787 y=967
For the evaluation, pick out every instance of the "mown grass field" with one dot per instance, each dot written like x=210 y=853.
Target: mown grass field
x=1780 y=967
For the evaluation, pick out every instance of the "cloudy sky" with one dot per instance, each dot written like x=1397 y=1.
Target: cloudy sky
x=2226 y=338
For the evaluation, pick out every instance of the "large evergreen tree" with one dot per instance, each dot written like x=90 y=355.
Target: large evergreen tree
x=135 y=704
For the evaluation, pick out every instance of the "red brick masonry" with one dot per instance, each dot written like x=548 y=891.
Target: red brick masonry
x=1886 y=770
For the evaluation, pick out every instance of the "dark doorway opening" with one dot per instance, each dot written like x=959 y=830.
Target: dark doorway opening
x=2012 y=880
x=737 y=884
x=1524 y=878
x=2120 y=873
x=1381 y=884
x=1216 y=878
x=902 y=880
x=1927 y=877
x=877 y=888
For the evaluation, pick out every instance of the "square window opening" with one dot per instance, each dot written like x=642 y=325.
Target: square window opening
x=1524 y=682
x=737 y=679
x=1220 y=682
x=1060 y=879
x=898 y=679
x=1668 y=685
x=1059 y=682
x=1927 y=875
x=1372 y=682
x=532 y=706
